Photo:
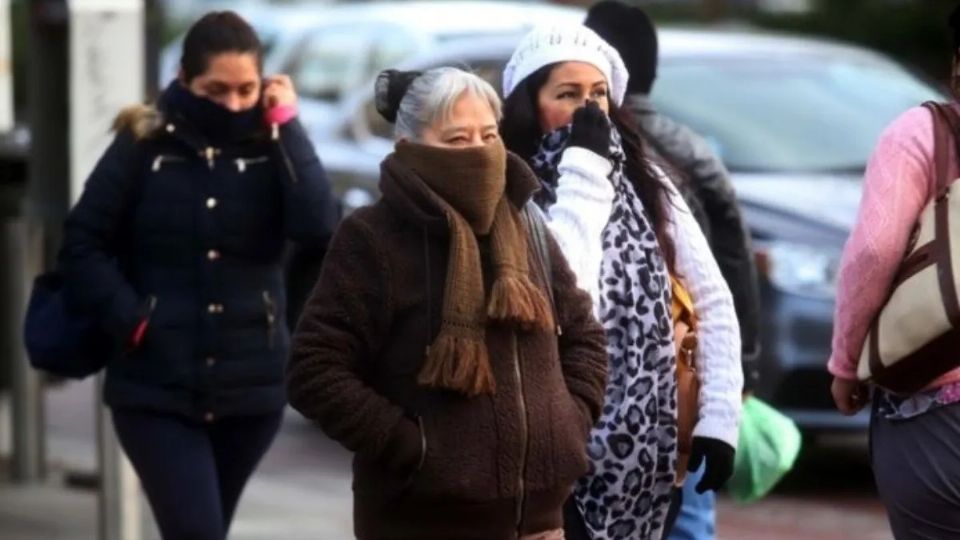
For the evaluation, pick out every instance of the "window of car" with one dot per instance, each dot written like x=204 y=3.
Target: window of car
x=803 y=114
x=393 y=45
x=332 y=60
x=489 y=70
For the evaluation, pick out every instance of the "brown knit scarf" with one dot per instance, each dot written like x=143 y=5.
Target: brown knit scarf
x=468 y=185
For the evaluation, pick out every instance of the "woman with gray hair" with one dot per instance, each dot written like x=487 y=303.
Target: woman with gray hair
x=446 y=343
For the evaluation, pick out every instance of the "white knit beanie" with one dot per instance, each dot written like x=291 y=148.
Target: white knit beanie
x=552 y=44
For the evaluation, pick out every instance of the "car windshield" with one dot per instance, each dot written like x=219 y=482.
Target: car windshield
x=804 y=115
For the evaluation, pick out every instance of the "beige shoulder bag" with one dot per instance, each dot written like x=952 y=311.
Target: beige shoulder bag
x=916 y=336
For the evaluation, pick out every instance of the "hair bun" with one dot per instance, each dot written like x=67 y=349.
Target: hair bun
x=390 y=88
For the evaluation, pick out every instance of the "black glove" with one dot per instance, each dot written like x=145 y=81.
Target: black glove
x=719 y=457
x=591 y=129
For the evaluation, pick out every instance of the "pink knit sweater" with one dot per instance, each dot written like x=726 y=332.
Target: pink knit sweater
x=898 y=184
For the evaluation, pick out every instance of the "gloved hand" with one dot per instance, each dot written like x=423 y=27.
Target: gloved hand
x=719 y=457
x=404 y=448
x=591 y=129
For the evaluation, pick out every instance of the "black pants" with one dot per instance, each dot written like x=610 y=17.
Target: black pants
x=574 y=527
x=193 y=474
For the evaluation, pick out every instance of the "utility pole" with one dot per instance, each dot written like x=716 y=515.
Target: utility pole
x=107 y=73
x=86 y=63
x=6 y=68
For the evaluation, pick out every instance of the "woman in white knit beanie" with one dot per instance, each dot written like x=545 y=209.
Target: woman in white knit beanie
x=626 y=233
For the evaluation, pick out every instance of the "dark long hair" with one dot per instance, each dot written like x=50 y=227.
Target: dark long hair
x=521 y=133
x=215 y=33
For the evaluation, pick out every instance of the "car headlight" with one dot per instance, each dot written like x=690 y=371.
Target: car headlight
x=800 y=269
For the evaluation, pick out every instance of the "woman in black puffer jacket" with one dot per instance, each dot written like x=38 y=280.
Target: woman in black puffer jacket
x=177 y=244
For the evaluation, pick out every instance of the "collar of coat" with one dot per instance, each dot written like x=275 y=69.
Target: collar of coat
x=639 y=104
x=147 y=121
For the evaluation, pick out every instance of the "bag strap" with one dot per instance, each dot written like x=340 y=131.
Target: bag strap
x=538 y=234
x=946 y=125
x=682 y=308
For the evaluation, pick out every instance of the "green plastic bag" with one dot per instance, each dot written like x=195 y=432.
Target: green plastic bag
x=768 y=447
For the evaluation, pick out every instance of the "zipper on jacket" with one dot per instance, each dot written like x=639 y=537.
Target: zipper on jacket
x=524 y=435
x=275 y=135
x=163 y=158
x=243 y=162
x=426 y=273
x=271 y=311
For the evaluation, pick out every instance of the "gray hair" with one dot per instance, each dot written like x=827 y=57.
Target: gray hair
x=433 y=95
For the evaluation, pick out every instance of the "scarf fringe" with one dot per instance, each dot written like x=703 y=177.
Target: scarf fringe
x=515 y=299
x=457 y=363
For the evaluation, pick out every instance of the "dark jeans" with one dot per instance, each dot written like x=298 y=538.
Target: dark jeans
x=916 y=463
x=193 y=473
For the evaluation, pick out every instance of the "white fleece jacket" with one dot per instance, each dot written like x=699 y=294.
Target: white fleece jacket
x=577 y=220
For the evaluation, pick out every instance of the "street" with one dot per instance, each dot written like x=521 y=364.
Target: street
x=302 y=489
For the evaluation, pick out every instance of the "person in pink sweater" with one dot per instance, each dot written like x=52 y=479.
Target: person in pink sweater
x=912 y=437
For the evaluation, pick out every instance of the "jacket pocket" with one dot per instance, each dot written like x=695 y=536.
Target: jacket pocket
x=571 y=426
x=134 y=342
x=460 y=460
x=414 y=473
x=270 y=313
x=392 y=475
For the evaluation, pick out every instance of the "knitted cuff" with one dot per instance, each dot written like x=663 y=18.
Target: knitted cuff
x=842 y=369
x=280 y=115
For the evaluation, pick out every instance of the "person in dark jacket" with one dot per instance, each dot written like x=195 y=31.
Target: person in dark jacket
x=706 y=186
x=629 y=30
x=446 y=343
x=177 y=243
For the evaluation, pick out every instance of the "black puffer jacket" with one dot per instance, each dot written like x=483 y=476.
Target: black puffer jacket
x=189 y=233
x=714 y=203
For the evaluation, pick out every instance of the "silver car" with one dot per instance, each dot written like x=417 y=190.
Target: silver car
x=330 y=50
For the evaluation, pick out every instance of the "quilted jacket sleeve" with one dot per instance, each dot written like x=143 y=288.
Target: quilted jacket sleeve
x=92 y=242
x=311 y=209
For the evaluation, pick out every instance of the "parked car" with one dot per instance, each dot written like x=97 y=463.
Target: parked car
x=794 y=119
x=273 y=23
x=330 y=49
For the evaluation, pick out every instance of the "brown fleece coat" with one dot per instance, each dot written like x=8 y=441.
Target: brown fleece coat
x=433 y=464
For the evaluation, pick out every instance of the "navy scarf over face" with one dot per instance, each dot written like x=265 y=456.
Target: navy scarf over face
x=214 y=121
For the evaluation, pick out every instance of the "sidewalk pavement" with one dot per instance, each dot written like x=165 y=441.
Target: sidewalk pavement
x=301 y=490
x=53 y=511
